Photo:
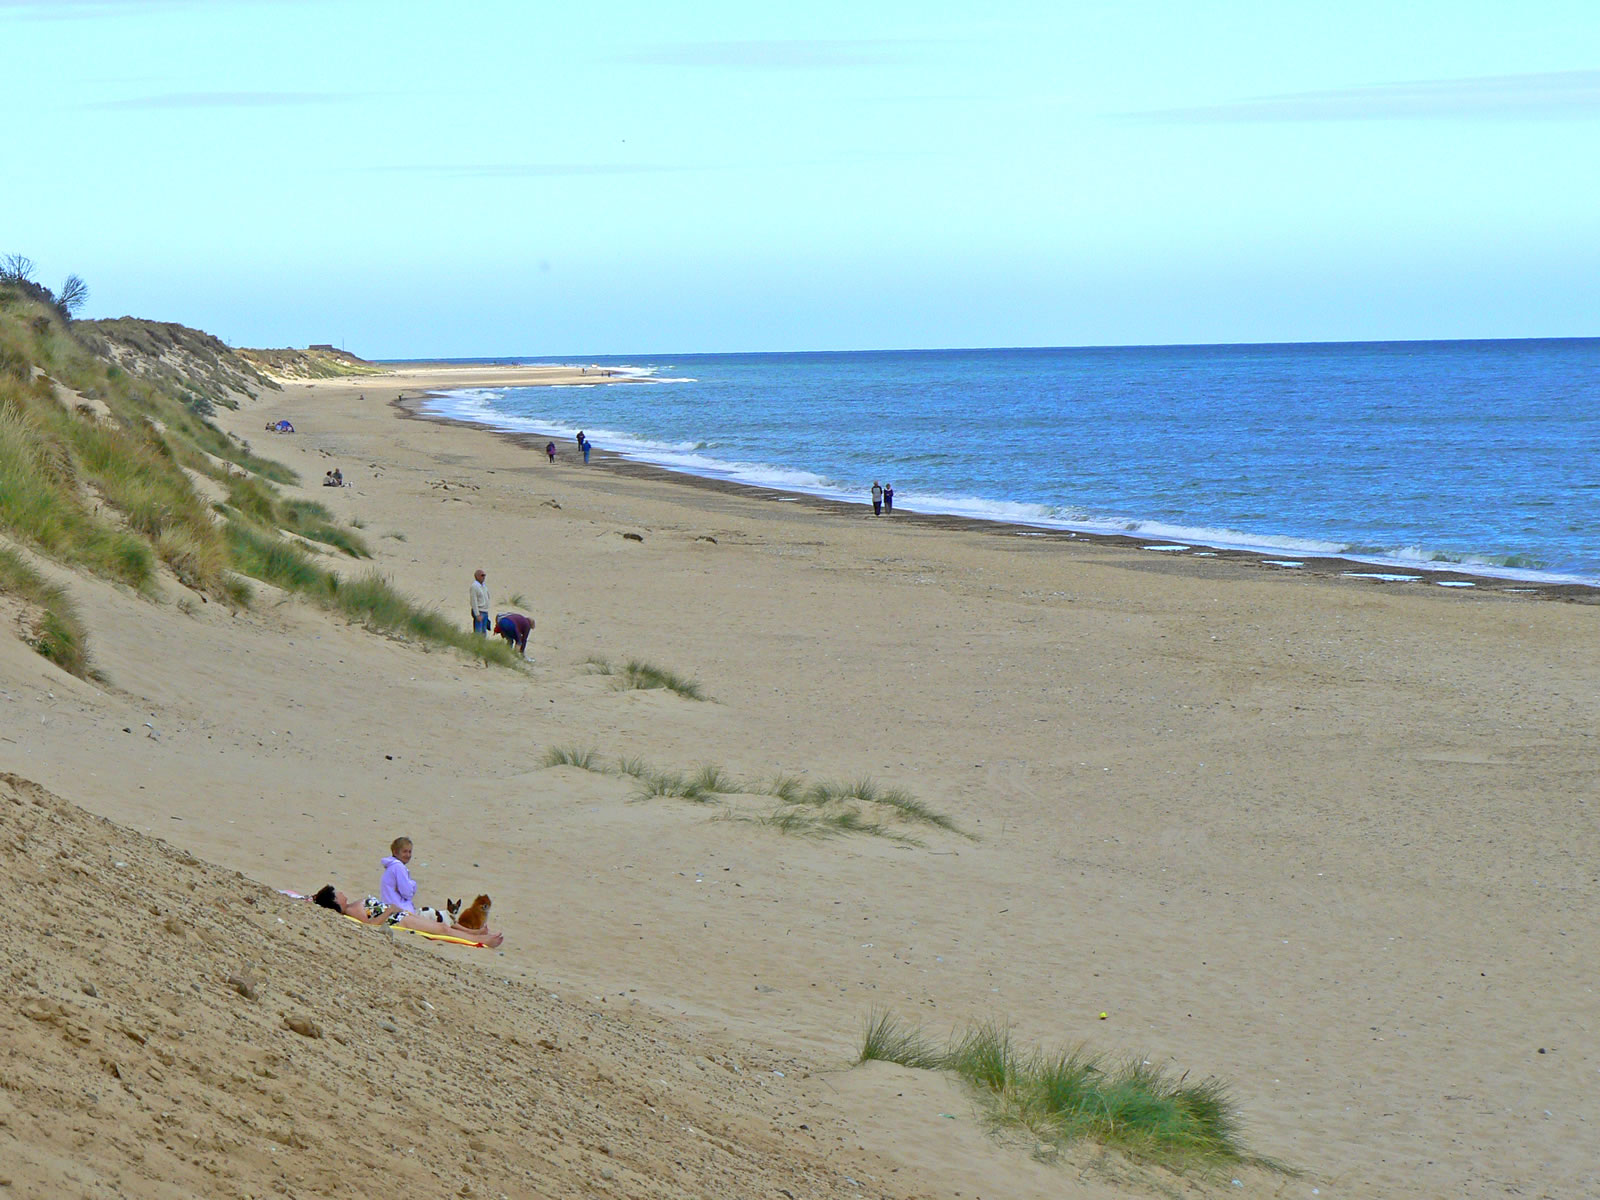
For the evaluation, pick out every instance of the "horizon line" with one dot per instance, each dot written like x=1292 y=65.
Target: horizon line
x=515 y=358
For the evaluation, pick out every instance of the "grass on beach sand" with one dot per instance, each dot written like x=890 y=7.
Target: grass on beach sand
x=50 y=622
x=820 y=810
x=1064 y=1096
x=637 y=675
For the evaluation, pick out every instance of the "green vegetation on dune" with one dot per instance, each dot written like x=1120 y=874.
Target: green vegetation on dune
x=1065 y=1096
x=637 y=675
x=101 y=438
x=50 y=622
x=316 y=362
x=818 y=811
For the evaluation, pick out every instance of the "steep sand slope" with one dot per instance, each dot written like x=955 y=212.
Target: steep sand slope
x=173 y=1029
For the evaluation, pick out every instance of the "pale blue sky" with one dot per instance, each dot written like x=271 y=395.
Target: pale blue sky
x=417 y=179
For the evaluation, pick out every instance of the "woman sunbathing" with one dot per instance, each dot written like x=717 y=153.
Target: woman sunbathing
x=373 y=911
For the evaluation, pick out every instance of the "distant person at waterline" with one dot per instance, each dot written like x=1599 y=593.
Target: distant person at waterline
x=550 y=450
x=478 y=599
x=585 y=445
x=888 y=497
x=877 y=498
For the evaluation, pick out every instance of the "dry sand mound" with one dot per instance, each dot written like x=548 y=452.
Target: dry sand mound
x=175 y=1029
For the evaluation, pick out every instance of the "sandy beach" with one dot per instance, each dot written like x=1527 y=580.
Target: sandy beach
x=1330 y=840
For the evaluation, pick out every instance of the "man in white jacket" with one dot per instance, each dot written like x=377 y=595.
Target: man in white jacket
x=478 y=598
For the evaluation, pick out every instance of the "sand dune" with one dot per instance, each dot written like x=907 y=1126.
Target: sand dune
x=1329 y=841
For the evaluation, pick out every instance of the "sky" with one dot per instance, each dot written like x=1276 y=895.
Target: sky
x=413 y=179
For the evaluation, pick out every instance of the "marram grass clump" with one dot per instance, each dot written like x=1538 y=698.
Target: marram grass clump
x=1065 y=1096
x=571 y=756
x=50 y=622
x=820 y=810
x=637 y=675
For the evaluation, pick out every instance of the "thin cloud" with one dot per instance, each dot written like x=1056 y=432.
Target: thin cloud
x=533 y=170
x=79 y=10
x=59 y=9
x=579 y=170
x=1555 y=95
x=225 y=100
x=790 y=54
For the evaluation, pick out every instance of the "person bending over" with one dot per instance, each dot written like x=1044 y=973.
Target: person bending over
x=515 y=628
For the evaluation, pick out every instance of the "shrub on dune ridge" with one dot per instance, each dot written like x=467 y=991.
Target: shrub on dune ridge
x=1065 y=1096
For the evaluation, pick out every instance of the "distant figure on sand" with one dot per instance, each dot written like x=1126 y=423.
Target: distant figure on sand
x=329 y=481
x=478 y=599
x=583 y=444
x=888 y=497
x=550 y=451
x=877 y=498
x=515 y=628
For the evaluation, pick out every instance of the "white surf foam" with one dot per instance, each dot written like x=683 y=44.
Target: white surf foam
x=478 y=405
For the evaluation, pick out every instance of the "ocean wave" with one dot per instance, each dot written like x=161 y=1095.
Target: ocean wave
x=691 y=457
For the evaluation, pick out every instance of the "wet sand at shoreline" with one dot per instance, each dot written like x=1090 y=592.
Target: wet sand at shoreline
x=1357 y=571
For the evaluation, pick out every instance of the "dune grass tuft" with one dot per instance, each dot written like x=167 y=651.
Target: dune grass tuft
x=52 y=625
x=573 y=756
x=1065 y=1096
x=632 y=764
x=797 y=822
x=678 y=786
x=637 y=675
x=865 y=791
x=645 y=676
x=887 y=1040
x=789 y=789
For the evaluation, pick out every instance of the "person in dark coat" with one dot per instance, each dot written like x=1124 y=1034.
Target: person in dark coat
x=515 y=628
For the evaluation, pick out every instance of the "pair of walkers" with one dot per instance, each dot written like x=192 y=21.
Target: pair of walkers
x=882 y=498
x=513 y=626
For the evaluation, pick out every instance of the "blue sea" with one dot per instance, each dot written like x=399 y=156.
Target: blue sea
x=1478 y=456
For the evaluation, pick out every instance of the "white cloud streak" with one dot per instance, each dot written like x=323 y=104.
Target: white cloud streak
x=792 y=54
x=171 y=100
x=1556 y=95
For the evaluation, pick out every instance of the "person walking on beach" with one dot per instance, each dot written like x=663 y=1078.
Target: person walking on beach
x=888 y=498
x=550 y=451
x=478 y=598
x=877 y=498
x=585 y=445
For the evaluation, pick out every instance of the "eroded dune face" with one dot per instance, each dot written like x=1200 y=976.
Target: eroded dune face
x=171 y=1028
